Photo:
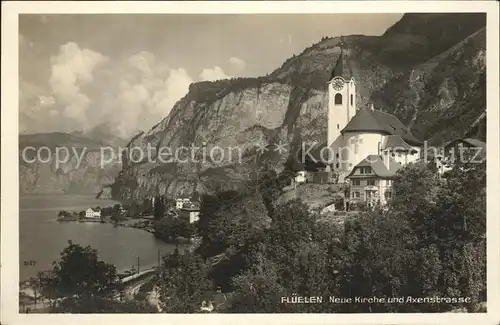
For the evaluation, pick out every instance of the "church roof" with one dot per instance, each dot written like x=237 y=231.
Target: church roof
x=373 y=120
x=376 y=162
x=395 y=142
x=342 y=68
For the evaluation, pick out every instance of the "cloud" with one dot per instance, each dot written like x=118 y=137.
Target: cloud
x=213 y=74
x=148 y=93
x=85 y=90
x=46 y=100
x=237 y=64
x=143 y=61
x=175 y=87
x=72 y=69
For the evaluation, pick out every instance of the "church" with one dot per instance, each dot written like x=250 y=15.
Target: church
x=368 y=144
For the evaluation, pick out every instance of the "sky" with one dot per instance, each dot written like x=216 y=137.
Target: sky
x=127 y=71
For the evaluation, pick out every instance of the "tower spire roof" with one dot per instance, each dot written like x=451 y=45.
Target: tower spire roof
x=341 y=69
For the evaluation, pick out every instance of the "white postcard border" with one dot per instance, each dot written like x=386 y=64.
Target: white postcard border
x=10 y=174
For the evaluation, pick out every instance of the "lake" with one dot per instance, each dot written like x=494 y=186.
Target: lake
x=42 y=238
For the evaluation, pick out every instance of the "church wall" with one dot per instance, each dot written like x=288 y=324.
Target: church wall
x=367 y=144
x=337 y=114
x=335 y=149
x=352 y=105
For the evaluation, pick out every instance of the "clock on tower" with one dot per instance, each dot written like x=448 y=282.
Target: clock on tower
x=338 y=84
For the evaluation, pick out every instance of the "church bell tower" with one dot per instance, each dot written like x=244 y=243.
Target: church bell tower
x=341 y=102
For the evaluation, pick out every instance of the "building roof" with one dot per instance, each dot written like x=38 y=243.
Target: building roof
x=376 y=162
x=396 y=142
x=342 y=68
x=372 y=120
x=191 y=207
x=470 y=141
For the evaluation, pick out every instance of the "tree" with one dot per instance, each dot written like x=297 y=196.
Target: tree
x=184 y=282
x=430 y=242
x=147 y=207
x=292 y=225
x=258 y=290
x=81 y=281
x=116 y=208
x=378 y=255
x=159 y=208
x=213 y=226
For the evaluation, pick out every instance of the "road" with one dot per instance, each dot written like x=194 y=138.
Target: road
x=131 y=290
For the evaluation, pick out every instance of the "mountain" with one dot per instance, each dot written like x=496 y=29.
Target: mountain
x=104 y=132
x=427 y=69
x=78 y=171
x=58 y=139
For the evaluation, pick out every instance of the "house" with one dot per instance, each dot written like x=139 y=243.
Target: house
x=371 y=180
x=190 y=211
x=465 y=148
x=92 y=214
x=443 y=158
x=355 y=133
x=436 y=159
x=301 y=177
x=180 y=201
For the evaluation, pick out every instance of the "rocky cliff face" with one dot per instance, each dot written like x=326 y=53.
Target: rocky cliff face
x=431 y=78
x=43 y=174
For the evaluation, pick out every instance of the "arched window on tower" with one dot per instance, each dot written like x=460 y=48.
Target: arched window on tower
x=338 y=99
x=352 y=99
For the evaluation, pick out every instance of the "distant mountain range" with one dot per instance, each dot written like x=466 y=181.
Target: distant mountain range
x=67 y=176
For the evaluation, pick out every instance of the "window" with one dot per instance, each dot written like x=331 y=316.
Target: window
x=388 y=194
x=337 y=155
x=356 y=194
x=338 y=127
x=338 y=99
x=370 y=182
x=365 y=170
x=352 y=99
x=355 y=182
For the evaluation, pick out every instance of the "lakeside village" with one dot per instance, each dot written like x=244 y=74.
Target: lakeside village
x=170 y=220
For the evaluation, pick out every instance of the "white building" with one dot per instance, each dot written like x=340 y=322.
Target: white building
x=92 y=214
x=190 y=211
x=355 y=133
x=180 y=201
x=371 y=180
x=301 y=177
